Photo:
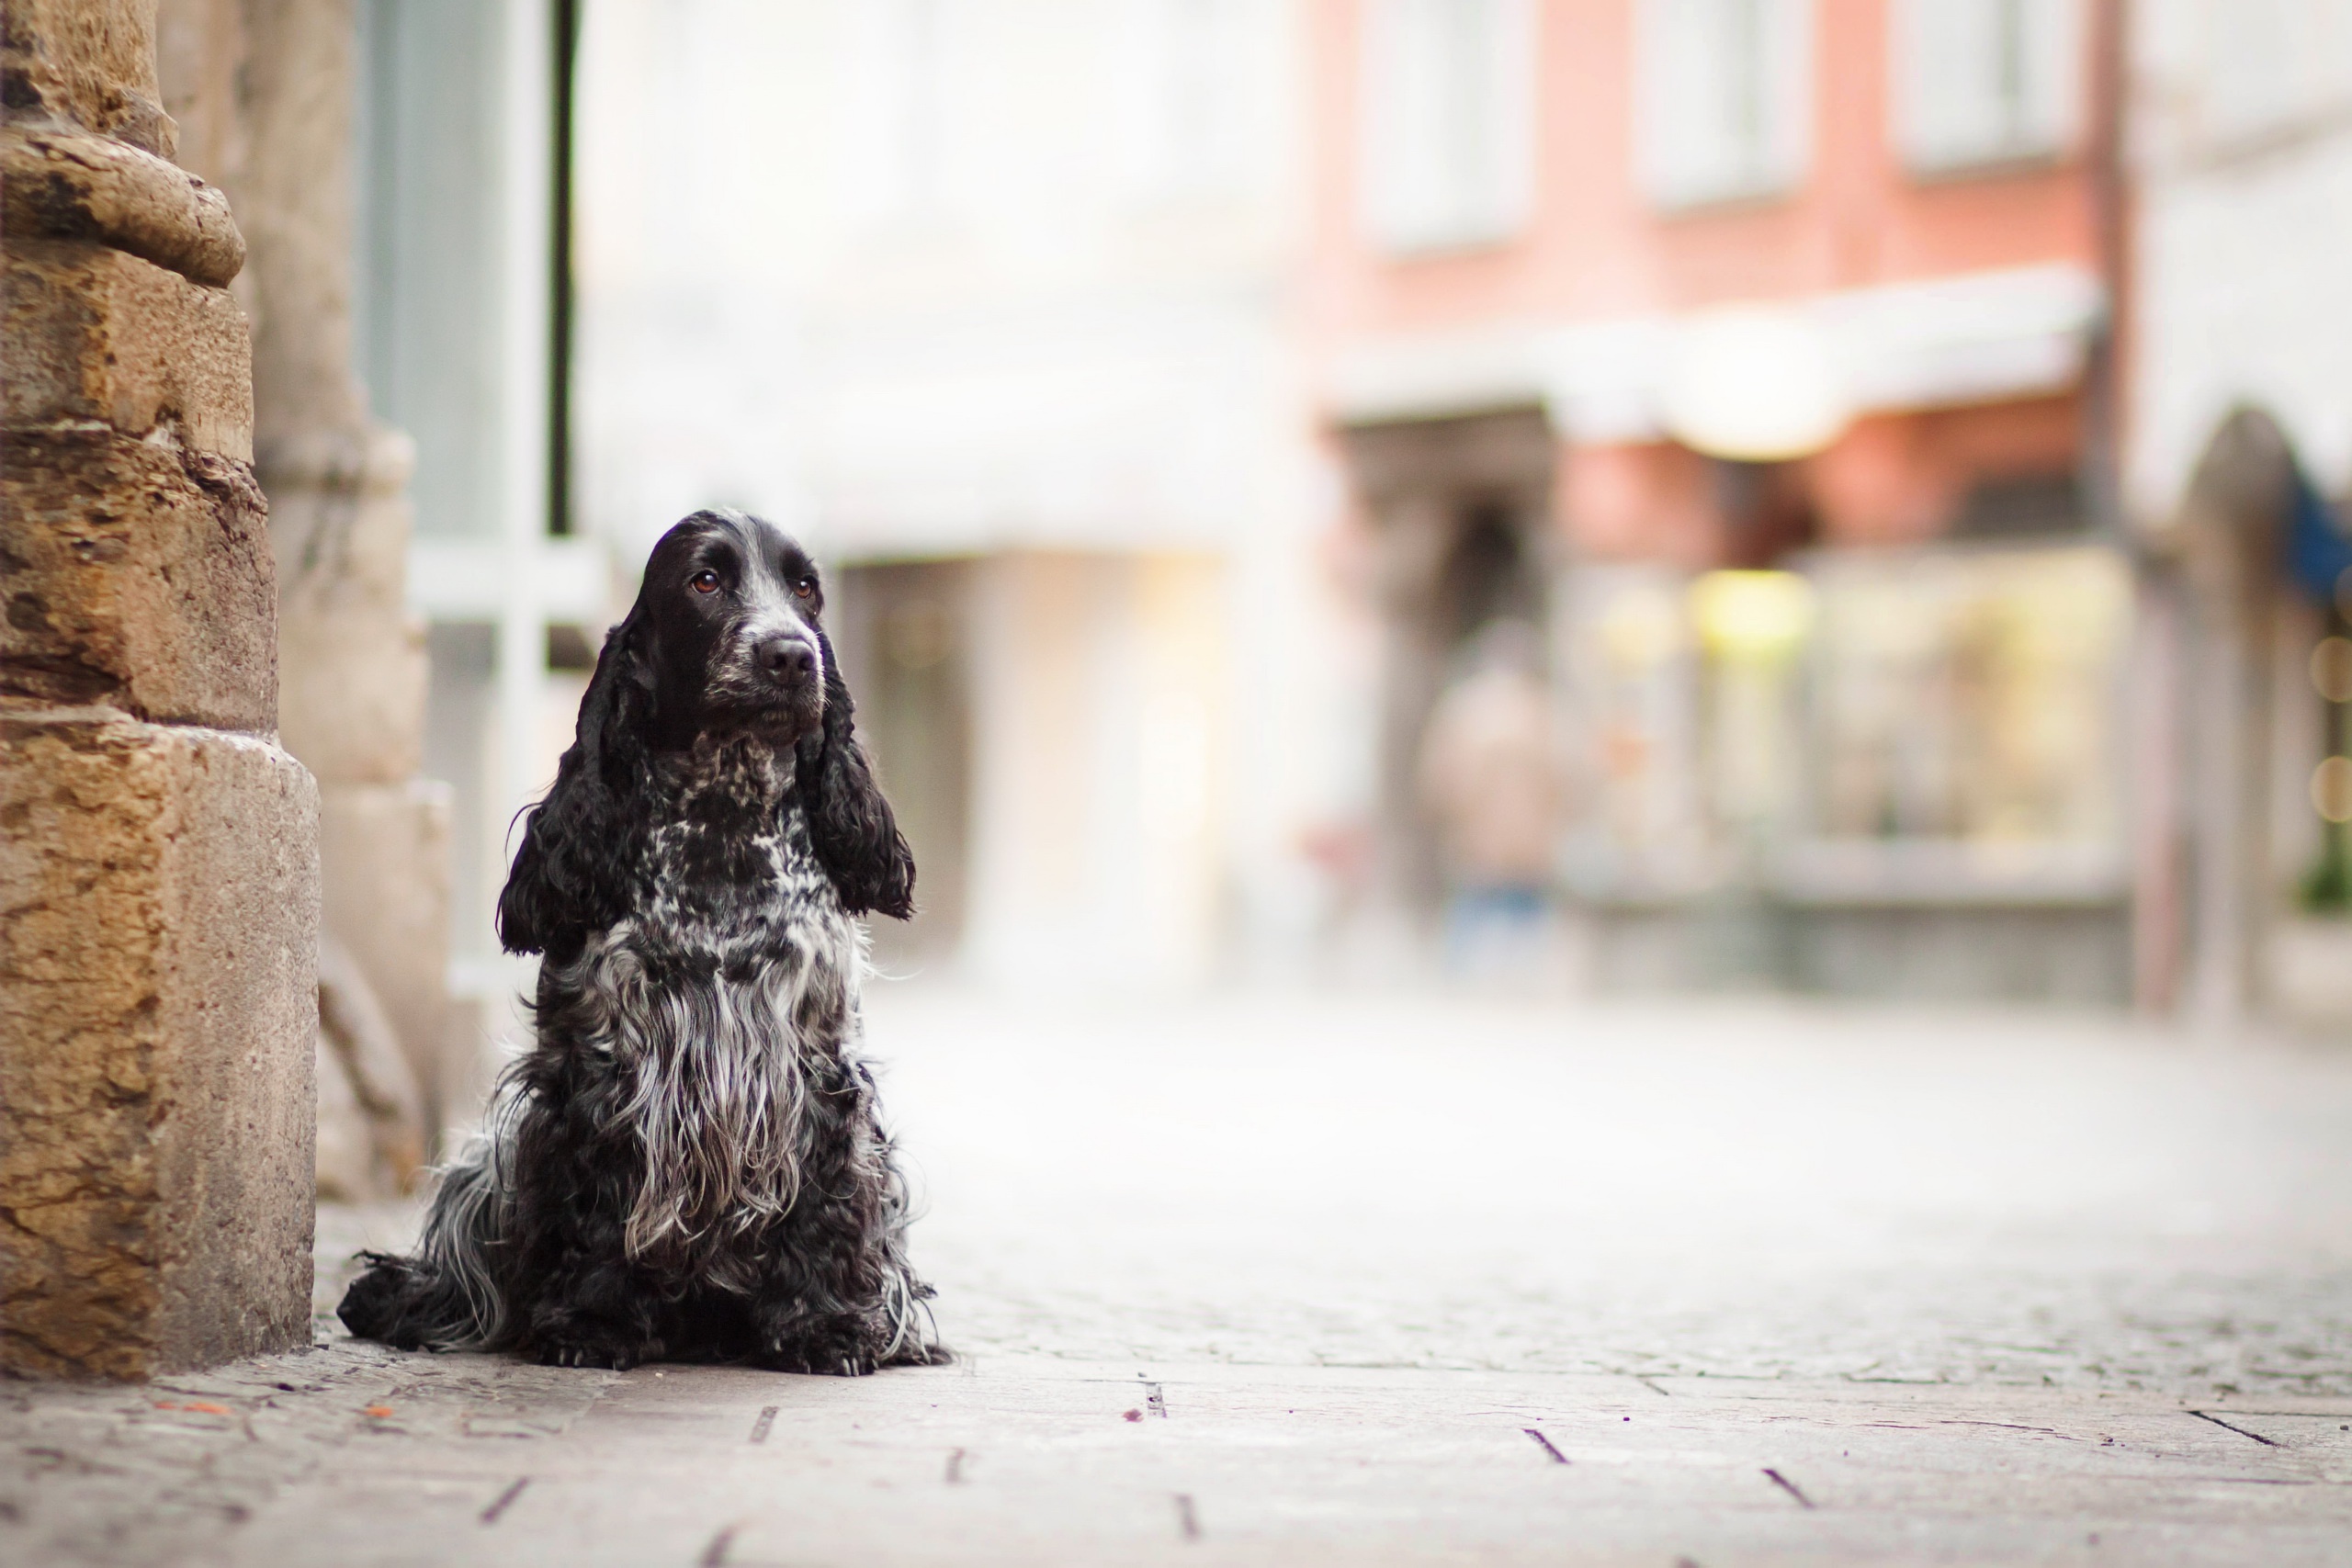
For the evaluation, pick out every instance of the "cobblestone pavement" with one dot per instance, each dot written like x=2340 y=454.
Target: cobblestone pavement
x=1407 y=1279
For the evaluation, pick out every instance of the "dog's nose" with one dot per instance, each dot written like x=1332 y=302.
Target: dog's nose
x=785 y=659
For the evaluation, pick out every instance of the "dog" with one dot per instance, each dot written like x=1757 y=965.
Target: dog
x=688 y=1164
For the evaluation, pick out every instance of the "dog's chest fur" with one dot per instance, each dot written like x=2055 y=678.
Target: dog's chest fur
x=724 y=1007
x=728 y=867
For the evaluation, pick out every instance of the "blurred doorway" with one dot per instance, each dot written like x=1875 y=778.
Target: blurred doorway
x=1046 y=724
x=1460 y=508
x=905 y=646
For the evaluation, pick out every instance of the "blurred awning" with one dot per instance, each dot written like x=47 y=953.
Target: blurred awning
x=1941 y=343
x=1116 y=424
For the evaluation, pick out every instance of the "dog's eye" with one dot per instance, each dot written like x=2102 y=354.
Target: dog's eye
x=804 y=587
x=705 y=582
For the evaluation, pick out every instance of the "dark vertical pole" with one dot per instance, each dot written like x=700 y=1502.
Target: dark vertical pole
x=566 y=17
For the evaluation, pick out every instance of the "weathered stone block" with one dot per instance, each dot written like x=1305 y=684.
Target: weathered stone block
x=65 y=184
x=350 y=656
x=158 y=937
x=136 y=573
x=92 y=334
x=89 y=61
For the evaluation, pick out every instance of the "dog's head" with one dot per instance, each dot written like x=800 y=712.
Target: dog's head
x=725 y=632
x=724 y=640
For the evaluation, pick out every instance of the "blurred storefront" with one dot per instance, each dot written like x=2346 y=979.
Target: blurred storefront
x=1180 y=391
x=1897 y=771
x=1760 y=349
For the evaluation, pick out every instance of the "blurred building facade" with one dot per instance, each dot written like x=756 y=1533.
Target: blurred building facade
x=455 y=173
x=1755 y=348
x=2237 y=465
x=1178 y=389
x=990 y=304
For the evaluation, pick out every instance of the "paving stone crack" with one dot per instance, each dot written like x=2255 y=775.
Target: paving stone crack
x=1785 y=1485
x=2241 y=1431
x=504 y=1500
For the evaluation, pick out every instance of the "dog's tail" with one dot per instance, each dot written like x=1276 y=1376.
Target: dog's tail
x=451 y=1294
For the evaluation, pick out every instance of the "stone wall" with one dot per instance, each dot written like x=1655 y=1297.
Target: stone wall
x=269 y=86
x=159 y=897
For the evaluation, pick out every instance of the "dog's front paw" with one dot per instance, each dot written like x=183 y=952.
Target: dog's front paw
x=592 y=1351
x=818 y=1362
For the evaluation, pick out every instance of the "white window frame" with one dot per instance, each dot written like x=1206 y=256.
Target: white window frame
x=1447 y=116
x=1698 y=83
x=1979 y=84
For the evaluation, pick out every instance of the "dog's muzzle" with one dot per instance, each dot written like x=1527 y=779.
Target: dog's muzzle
x=778 y=672
x=789 y=661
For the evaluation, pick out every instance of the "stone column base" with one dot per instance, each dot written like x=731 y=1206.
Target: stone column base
x=158 y=932
x=384 y=858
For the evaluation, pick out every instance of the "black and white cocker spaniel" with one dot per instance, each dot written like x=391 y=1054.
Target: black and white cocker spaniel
x=687 y=1164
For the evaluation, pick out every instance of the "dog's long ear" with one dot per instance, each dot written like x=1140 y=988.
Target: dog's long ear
x=857 y=839
x=566 y=878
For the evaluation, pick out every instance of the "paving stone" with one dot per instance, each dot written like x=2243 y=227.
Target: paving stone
x=1410 y=1281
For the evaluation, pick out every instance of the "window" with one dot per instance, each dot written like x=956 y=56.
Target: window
x=1448 y=102
x=1724 y=98
x=1984 y=80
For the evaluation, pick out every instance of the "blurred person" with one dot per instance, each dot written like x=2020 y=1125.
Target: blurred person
x=1491 y=781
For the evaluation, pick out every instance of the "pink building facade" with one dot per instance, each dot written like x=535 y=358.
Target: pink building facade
x=1760 y=352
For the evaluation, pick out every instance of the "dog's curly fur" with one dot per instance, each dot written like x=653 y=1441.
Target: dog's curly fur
x=688 y=1164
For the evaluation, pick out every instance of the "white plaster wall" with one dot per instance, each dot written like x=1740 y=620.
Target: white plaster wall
x=2242 y=146
x=1046 y=338
x=999 y=279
